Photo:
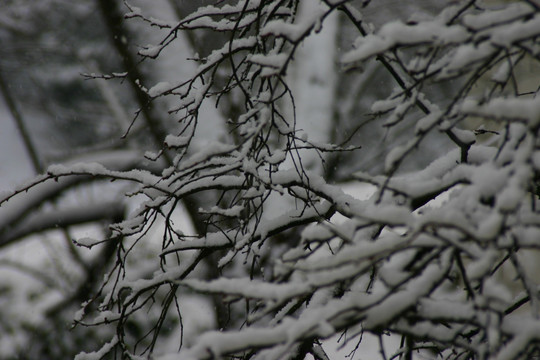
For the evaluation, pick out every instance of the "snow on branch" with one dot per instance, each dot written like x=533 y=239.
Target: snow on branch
x=284 y=255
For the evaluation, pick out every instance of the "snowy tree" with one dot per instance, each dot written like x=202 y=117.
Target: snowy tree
x=242 y=202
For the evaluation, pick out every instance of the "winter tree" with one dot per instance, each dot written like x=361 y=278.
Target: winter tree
x=240 y=180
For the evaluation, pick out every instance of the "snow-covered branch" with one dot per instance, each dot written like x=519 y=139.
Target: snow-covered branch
x=288 y=257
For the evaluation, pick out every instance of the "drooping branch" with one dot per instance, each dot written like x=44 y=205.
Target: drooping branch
x=118 y=34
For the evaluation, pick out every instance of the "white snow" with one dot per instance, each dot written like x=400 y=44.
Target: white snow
x=160 y=88
x=526 y=109
x=97 y=355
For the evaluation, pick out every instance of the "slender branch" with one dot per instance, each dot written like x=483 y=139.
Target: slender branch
x=118 y=33
x=19 y=121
